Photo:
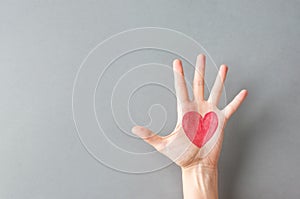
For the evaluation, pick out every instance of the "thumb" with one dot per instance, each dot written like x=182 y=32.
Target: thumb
x=148 y=136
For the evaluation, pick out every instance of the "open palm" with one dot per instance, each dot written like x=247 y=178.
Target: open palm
x=195 y=142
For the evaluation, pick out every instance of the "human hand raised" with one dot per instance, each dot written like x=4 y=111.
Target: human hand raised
x=198 y=135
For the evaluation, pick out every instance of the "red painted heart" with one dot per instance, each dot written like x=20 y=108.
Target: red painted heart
x=199 y=130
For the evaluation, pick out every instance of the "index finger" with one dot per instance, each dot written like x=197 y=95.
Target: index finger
x=180 y=85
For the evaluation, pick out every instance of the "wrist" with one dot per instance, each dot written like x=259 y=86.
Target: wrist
x=200 y=182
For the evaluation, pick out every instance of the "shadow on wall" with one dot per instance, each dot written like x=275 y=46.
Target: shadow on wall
x=243 y=131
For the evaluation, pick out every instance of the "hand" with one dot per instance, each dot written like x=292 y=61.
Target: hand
x=178 y=145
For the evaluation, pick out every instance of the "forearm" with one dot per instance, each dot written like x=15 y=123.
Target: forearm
x=200 y=182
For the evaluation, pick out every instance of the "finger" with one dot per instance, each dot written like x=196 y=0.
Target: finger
x=148 y=136
x=180 y=85
x=199 y=78
x=235 y=103
x=216 y=91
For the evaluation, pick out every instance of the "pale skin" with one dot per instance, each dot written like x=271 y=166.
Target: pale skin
x=199 y=165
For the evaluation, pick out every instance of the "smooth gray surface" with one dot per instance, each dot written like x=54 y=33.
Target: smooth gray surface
x=42 y=44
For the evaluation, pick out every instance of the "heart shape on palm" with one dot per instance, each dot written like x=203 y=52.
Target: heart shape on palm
x=199 y=129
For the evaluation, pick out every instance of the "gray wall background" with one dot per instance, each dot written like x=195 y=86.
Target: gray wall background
x=42 y=44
